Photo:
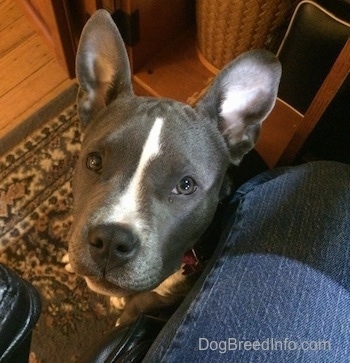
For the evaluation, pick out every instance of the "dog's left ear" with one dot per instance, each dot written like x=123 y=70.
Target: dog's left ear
x=241 y=97
x=102 y=66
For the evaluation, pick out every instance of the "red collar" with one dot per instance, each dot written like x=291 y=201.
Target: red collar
x=191 y=263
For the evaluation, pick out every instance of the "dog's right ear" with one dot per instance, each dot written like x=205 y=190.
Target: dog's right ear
x=102 y=66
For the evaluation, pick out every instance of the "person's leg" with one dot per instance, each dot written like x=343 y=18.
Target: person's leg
x=278 y=287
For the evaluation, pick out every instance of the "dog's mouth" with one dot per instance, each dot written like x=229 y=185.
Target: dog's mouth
x=125 y=281
x=104 y=287
x=101 y=285
x=191 y=263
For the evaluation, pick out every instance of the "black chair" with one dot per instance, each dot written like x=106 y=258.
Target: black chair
x=312 y=110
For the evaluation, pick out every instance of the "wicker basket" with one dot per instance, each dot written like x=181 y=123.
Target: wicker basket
x=226 y=28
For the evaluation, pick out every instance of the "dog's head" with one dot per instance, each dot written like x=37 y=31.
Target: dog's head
x=151 y=171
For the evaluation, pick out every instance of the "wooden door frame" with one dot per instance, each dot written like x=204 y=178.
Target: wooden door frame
x=59 y=35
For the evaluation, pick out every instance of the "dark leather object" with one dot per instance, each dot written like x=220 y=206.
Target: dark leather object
x=127 y=343
x=19 y=311
x=337 y=7
x=310 y=48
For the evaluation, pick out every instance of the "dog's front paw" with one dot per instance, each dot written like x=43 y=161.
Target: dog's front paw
x=67 y=266
x=124 y=318
x=118 y=322
x=118 y=302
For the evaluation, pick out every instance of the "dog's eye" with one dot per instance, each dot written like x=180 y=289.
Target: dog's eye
x=94 y=162
x=186 y=185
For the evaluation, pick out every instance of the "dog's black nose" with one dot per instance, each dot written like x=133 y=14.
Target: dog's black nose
x=113 y=244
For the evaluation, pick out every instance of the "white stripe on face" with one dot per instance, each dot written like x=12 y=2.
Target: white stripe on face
x=127 y=208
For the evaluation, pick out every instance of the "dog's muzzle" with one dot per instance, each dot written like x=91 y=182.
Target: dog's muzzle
x=113 y=244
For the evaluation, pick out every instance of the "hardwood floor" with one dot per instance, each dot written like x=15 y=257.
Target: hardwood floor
x=29 y=74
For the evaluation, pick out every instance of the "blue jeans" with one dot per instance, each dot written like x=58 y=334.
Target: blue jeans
x=277 y=289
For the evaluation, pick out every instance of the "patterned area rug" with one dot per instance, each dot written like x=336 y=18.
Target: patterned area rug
x=35 y=217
